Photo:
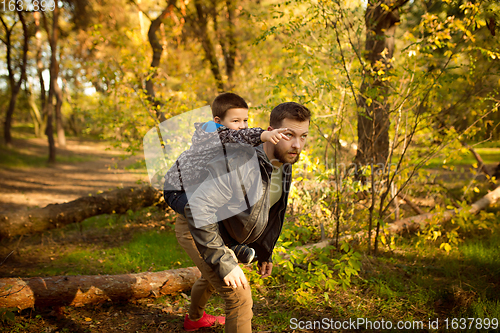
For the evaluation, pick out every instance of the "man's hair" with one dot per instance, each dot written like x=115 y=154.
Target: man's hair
x=226 y=101
x=288 y=110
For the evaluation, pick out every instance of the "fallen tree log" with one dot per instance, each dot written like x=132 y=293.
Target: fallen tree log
x=92 y=289
x=411 y=224
x=58 y=215
x=415 y=222
x=410 y=203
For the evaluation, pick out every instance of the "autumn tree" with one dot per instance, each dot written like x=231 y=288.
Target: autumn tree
x=10 y=42
x=381 y=19
x=157 y=49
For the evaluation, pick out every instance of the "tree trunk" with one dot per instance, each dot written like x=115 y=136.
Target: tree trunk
x=49 y=111
x=207 y=45
x=373 y=121
x=155 y=61
x=381 y=18
x=35 y=113
x=61 y=137
x=229 y=52
x=58 y=215
x=93 y=289
x=8 y=116
x=55 y=91
x=39 y=69
x=14 y=86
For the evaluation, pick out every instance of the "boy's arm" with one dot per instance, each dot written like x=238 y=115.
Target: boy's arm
x=251 y=136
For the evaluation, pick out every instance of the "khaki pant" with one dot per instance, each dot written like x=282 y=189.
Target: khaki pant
x=238 y=301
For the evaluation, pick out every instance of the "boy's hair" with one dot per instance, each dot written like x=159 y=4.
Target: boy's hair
x=226 y=101
x=288 y=110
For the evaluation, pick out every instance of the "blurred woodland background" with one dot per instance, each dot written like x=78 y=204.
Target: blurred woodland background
x=404 y=137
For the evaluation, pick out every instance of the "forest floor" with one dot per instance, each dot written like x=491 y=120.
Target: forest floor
x=84 y=167
x=406 y=282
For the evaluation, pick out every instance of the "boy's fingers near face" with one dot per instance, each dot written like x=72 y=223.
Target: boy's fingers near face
x=283 y=136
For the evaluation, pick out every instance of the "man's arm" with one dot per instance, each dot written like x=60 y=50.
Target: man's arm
x=200 y=212
x=215 y=192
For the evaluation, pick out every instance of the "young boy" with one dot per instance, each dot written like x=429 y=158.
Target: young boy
x=230 y=125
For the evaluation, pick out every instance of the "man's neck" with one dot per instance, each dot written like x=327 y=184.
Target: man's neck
x=269 y=150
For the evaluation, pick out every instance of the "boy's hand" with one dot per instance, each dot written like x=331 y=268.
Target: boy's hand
x=274 y=136
x=236 y=278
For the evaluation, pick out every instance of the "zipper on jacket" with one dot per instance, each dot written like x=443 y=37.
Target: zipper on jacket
x=285 y=198
x=260 y=209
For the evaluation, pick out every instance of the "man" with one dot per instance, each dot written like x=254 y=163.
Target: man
x=243 y=200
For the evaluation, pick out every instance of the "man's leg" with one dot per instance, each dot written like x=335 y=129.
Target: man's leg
x=202 y=289
x=238 y=301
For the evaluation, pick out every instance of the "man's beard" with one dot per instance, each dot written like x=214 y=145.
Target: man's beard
x=283 y=157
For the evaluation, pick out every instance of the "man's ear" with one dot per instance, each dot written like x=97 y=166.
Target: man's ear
x=217 y=119
x=270 y=128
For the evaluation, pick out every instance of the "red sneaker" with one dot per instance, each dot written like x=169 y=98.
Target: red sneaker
x=205 y=321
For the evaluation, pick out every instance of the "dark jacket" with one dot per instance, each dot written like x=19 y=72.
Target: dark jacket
x=190 y=167
x=233 y=204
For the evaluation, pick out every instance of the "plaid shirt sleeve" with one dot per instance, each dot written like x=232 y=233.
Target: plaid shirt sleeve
x=249 y=136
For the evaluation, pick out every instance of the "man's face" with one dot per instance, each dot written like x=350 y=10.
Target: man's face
x=288 y=151
x=235 y=119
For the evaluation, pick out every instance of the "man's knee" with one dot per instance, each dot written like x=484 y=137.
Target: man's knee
x=239 y=298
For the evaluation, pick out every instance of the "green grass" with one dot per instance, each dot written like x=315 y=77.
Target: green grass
x=13 y=158
x=489 y=144
x=34 y=155
x=483 y=253
x=146 y=251
x=409 y=282
x=106 y=244
x=22 y=131
x=489 y=156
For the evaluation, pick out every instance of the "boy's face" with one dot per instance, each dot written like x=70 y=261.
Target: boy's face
x=235 y=119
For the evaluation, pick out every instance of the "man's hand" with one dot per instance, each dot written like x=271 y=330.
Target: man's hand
x=265 y=269
x=236 y=278
x=274 y=136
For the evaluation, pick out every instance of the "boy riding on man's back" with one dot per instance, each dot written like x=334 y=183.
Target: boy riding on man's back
x=230 y=125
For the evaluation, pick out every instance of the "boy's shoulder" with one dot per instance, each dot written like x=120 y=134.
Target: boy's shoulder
x=210 y=126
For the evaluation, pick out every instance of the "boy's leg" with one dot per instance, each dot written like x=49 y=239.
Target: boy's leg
x=238 y=301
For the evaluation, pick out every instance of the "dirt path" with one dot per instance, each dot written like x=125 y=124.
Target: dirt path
x=84 y=167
